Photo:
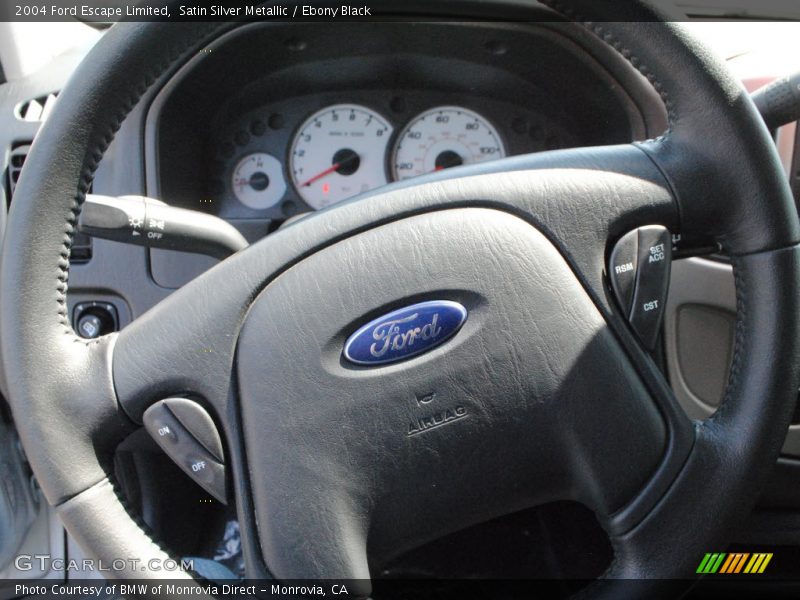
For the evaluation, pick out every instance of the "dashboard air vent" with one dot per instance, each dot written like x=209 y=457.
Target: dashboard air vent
x=15 y=162
x=82 y=244
x=38 y=109
x=81 y=251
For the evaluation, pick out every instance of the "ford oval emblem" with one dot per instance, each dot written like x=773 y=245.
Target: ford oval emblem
x=405 y=333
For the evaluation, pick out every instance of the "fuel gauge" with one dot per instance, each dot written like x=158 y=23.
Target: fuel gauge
x=258 y=181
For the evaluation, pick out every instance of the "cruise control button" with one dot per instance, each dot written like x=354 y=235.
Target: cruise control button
x=167 y=433
x=652 y=282
x=622 y=269
x=199 y=423
x=187 y=452
x=207 y=472
x=161 y=425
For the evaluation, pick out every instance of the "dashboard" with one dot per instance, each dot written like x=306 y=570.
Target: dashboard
x=268 y=122
x=311 y=152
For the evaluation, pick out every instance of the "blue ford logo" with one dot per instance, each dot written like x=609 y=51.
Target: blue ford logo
x=405 y=333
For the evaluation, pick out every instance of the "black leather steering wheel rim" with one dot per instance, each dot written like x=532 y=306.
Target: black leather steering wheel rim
x=715 y=172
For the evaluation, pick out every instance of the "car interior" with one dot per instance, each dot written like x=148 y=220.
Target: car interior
x=446 y=303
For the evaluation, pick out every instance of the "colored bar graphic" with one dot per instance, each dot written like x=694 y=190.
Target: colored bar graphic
x=736 y=562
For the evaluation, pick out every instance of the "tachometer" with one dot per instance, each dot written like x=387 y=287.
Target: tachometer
x=258 y=181
x=339 y=152
x=444 y=137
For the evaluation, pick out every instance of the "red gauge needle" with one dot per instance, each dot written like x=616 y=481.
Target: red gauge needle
x=319 y=176
x=345 y=162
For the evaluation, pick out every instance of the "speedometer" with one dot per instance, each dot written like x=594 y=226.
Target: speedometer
x=339 y=152
x=444 y=137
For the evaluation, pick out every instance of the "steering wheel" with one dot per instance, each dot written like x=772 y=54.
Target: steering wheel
x=559 y=399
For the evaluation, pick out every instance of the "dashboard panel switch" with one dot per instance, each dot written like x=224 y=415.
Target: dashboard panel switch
x=183 y=447
x=93 y=319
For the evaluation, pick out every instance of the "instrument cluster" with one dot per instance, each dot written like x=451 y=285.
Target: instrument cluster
x=311 y=152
